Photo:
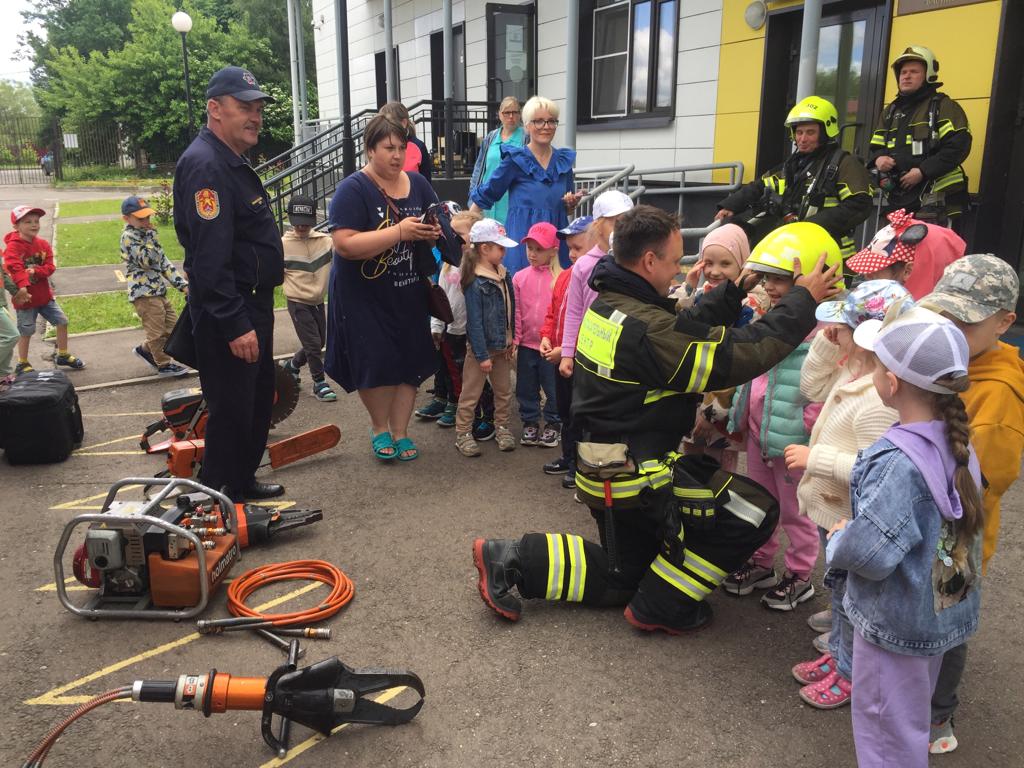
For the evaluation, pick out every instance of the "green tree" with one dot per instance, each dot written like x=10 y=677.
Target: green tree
x=16 y=100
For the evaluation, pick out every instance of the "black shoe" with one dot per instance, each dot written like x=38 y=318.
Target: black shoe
x=557 y=467
x=258 y=490
x=569 y=481
x=497 y=562
x=696 y=619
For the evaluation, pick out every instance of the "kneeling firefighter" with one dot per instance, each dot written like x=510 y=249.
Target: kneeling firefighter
x=820 y=182
x=671 y=528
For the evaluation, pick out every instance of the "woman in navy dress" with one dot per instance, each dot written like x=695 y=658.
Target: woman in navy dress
x=378 y=330
x=538 y=179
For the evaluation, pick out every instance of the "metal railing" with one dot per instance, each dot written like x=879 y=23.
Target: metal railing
x=654 y=186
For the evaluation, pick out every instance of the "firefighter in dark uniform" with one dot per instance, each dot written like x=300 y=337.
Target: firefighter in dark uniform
x=921 y=140
x=820 y=182
x=640 y=368
x=233 y=259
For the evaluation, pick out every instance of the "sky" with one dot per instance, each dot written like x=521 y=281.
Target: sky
x=12 y=25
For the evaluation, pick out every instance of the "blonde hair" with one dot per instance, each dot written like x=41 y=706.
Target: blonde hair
x=535 y=104
x=510 y=101
x=470 y=259
x=471 y=218
x=950 y=409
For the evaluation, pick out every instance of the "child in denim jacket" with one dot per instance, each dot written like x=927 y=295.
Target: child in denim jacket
x=913 y=548
x=490 y=309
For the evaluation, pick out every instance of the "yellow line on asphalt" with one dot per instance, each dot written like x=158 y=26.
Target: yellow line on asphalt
x=120 y=276
x=108 y=442
x=110 y=453
x=77 y=503
x=110 y=415
x=56 y=697
x=312 y=741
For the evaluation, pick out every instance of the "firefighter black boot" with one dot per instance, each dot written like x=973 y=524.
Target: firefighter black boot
x=497 y=561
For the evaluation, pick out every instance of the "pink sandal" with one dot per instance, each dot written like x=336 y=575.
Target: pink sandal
x=831 y=693
x=815 y=671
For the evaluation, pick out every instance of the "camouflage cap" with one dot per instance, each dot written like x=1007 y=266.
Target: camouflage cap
x=974 y=288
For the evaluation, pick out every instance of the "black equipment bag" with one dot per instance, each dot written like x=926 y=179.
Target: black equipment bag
x=40 y=422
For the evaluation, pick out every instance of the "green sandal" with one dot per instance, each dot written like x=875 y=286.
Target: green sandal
x=381 y=444
x=404 y=445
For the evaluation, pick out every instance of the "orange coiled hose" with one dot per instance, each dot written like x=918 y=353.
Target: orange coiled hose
x=342 y=590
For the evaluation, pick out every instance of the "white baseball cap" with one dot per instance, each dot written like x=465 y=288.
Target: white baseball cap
x=611 y=203
x=919 y=346
x=490 y=231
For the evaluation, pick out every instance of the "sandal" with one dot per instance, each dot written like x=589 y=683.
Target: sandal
x=831 y=693
x=404 y=446
x=809 y=672
x=382 y=444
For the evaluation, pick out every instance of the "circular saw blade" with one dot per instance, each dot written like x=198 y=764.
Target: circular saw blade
x=286 y=395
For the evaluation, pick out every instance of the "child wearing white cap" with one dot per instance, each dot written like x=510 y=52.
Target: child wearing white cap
x=490 y=329
x=913 y=547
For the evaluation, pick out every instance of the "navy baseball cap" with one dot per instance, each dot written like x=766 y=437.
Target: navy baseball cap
x=237 y=82
x=136 y=206
x=576 y=226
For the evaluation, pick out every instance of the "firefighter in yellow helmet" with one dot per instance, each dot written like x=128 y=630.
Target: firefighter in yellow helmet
x=820 y=182
x=921 y=140
x=671 y=528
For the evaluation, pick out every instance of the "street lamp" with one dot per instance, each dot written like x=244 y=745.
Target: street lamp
x=182 y=23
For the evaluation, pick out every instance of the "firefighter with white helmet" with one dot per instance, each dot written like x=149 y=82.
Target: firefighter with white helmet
x=920 y=143
x=820 y=182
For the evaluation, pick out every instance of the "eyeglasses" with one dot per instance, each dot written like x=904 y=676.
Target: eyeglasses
x=544 y=123
x=510 y=112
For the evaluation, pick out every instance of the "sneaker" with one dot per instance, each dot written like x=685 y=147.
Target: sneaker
x=557 y=467
x=466 y=445
x=432 y=410
x=289 y=366
x=483 y=431
x=23 y=368
x=569 y=481
x=322 y=391
x=447 y=419
x=550 y=436
x=820 y=642
x=171 y=369
x=748 y=578
x=820 y=621
x=831 y=693
x=941 y=739
x=789 y=593
x=505 y=439
x=809 y=672
x=141 y=351
x=530 y=435
x=69 y=361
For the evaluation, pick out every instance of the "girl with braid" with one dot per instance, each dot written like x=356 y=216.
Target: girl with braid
x=913 y=547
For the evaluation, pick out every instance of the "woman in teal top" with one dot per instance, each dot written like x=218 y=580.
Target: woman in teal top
x=510 y=134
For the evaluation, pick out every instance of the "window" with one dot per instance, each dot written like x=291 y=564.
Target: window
x=633 y=57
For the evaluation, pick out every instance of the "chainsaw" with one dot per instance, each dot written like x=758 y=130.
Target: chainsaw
x=323 y=697
x=151 y=560
x=184 y=412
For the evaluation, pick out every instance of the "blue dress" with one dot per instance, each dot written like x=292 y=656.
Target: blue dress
x=534 y=195
x=378 y=321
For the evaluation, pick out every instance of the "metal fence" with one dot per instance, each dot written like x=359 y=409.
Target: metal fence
x=23 y=147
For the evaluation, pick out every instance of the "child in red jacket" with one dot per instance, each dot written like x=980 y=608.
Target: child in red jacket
x=579 y=242
x=28 y=260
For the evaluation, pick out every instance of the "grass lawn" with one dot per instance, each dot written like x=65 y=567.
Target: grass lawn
x=91 y=207
x=99 y=242
x=109 y=310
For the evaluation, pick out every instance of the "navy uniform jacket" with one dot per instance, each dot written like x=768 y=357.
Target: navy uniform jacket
x=233 y=254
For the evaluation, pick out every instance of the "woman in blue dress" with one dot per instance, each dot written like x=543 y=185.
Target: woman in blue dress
x=378 y=327
x=538 y=179
x=511 y=133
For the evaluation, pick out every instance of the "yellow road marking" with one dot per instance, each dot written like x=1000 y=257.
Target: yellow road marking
x=109 y=453
x=312 y=741
x=109 y=442
x=78 y=503
x=111 y=415
x=56 y=697
x=120 y=276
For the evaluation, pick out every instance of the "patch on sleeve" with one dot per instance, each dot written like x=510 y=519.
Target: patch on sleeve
x=207 y=204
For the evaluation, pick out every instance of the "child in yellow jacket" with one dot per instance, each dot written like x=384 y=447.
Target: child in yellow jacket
x=979 y=294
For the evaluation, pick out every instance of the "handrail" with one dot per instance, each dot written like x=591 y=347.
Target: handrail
x=682 y=189
x=620 y=172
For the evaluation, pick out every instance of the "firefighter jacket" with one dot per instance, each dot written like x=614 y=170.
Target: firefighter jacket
x=929 y=131
x=828 y=187
x=640 y=367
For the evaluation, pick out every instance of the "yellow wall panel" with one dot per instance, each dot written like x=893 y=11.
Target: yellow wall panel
x=977 y=117
x=963 y=40
x=739 y=81
x=736 y=139
x=734 y=28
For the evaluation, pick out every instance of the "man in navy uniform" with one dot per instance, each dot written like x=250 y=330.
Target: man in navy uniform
x=234 y=260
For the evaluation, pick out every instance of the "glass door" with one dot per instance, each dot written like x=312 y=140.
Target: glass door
x=840 y=58
x=511 y=51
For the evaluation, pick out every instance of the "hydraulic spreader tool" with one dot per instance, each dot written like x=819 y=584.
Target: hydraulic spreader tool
x=161 y=558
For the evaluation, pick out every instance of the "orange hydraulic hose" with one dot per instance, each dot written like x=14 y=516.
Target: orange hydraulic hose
x=342 y=590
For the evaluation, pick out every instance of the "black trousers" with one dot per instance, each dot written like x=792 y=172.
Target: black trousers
x=661 y=576
x=570 y=434
x=239 y=397
x=310 y=321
